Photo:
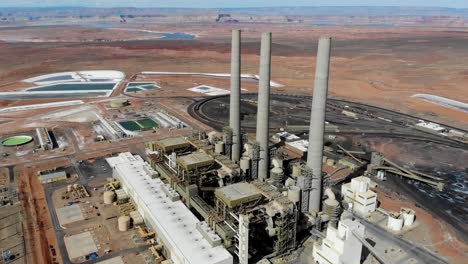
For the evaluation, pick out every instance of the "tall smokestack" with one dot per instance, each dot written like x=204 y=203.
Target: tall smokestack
x=234 y=110
x=263 y=111
x=317 y=122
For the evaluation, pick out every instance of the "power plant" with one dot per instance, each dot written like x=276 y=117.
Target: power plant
x=251 y=200
x=266 y=177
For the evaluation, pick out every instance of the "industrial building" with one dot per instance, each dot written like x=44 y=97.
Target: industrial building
x=340 y=244
x=174 y=224
x=45 y=141
x=359 y=197
x=55 y=176
x=222 y=197
x=240 y=189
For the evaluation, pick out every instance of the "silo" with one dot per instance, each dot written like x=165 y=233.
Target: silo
x=117 y=103
x=219 y=147
x=331 y=207
x=245 y=164
x=394 y=222
x=124 y=223
x=294 y=194
x=277 y=175
x=109 y=197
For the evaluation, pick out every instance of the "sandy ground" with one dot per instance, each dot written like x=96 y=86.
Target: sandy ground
x=39 y=232
x=441 y=240
x=378 y=66
x=381 y=67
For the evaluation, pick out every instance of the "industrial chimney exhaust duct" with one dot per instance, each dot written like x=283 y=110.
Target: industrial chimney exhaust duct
x=263 y=111
x=234 y=108
x=317 y=122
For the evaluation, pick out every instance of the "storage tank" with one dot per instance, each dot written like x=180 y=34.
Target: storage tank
x=331 y=207
x=408 y=219
x=117 y=103
x=109 y=197
x=277 y=176
x=219 y=147
x=294 y=194
x=277 y=163
x=245 y=164
x=69 y=188
x=408 y=216
x=330 y=162
x=124 y=223
x=394 y=222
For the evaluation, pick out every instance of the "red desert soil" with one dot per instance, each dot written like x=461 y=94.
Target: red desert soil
x=39 y=232
x=442 y=242
x=382 y=67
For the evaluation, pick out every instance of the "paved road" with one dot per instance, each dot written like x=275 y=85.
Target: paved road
x=118 y=253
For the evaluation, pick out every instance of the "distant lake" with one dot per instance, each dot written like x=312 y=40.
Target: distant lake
x=318 y=24
x=165 y=35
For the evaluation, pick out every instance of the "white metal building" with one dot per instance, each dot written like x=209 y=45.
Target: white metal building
x=174 y=224
x=357 y=194
x=429 y=126
x=340 y=246
x=53 y=176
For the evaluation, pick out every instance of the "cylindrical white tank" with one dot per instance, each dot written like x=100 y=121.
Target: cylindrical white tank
x=219 y=147
x=331 y=207
x=289 y=182
x=109 y=197
x=211 y=136
x=408 y=219
x=330 y=162
x=294 y=194
x=276 y=176
x=124 y=223
x=245 y=164
x=394 y=223
x=277 y=163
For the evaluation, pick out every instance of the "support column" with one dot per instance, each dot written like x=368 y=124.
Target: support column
x=243 y=239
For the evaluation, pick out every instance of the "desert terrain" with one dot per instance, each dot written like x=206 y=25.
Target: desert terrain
x=380 y=66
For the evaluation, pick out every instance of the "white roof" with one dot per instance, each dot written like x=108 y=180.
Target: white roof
x=53 y=175
x=173 y=221
x=301 y=145
x=79 y=76
x=431 y=125
x=288 y=136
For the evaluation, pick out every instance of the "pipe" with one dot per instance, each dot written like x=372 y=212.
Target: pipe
x=263 y=108
x=234 y=109
x=317 y=122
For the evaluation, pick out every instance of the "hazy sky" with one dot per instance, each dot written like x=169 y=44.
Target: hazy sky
x=229 y=3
